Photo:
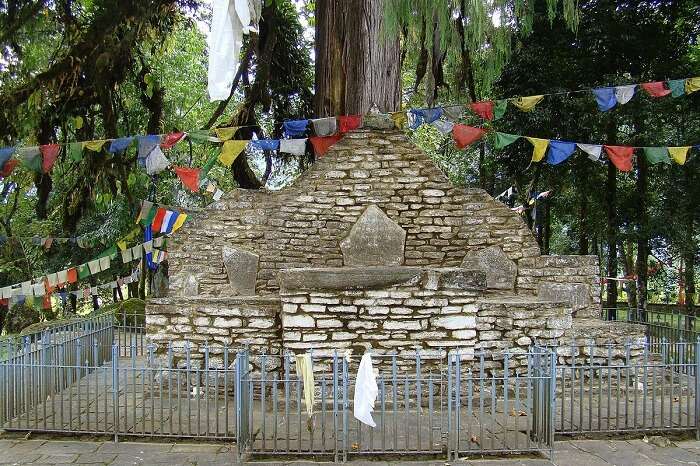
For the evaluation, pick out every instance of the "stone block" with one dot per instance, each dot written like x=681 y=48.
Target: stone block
x=455 y=322
x=242 y=270
x=297 y=320
x=374 y=239
x=577 y=295
x=501 y=272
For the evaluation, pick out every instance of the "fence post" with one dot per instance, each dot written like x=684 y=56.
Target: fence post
x=115 y=390
x=697 y=389
x=552 y=401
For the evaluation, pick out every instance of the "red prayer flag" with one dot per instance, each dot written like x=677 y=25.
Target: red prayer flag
x=656 y=89
x=465 y=135
x=158 y=219
x=8 y=167
x=72 y=275
x=189 y=177
x=49 y=154
x=620 y=156
x=484 y=109
x=323 y=143
x=169 y=140
x=349 y=122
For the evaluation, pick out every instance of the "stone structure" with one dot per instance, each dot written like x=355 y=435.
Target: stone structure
x=371 y=247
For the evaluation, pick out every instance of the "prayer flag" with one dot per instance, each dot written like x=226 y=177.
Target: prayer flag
x=95 y=145
x=505 y=139
x=605 y=98
x=464 y=135
x=94 y=266
x=5 y=154
x=293 y=146
x=499 y=109
x=620 y=156
x=349 y=122
x=692 y=85
x=156 y=161
x=624 y=94
x=137 y=251
x=656 y=89
x=189 y=177
x=324 y=126
x=593 y=150
x=453 y=112
x=539 y=148
x=75 y=151
x=266 y=144
x=166 y=220
x=226 y=133
x=679 y=154
x=218 y=194
x=120 y=145
x=8 y=167
x=39 y=289
x=483 y=108
x=656 y=155
x=72 y=275
x=527 y=103
x=230 y=151
x=677 y=87
x=179 y=222
x=105 y=263
x=171 y=222
x=49 y=154
x=158 y=219
x=146 y=145
x=202 y=135
x=62 y=276
x=169 y=140
x=30 y=157
x=321 y=144
x=400 y=119
x=424 y=115
x=294 y=128
x=559 y=151
x=444 y=126
x=145 y=209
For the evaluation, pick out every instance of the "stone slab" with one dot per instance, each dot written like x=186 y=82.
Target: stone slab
x=374 y=239
x=241 y=268
x=501 y=272
x=346 y=278
x=577 y=295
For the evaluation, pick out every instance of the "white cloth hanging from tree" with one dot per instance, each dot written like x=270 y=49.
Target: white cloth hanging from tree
x=230 y=20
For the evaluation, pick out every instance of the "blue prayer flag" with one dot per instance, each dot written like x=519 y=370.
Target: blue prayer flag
x=559 y=151
x=5 y=154
x=294 y=128
x=424 y=115
x=120 y=145
x=605 y=98
x=146 y=145
x=266 y=144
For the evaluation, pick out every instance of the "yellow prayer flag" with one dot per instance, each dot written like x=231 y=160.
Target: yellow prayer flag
x=230 y=151
x=226 y=133
x=121 y=245
x=527 y=103
x=692 y=85
x=679 y=154
x=96 y=145
x=179 y=221
x=400 y=119
x=539 y=148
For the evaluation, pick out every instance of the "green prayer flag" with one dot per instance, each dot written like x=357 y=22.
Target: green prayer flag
x=148 y=219
x=677 y=87
x=30 y=158
x=657 y=155
x=111 y=252
x=83 y=271
x=199 y=135
x=505 y=139
x=75 y=151
x=207 y=166
x=499 y=108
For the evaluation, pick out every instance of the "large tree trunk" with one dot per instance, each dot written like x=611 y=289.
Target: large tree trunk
x=642 y=237
x=356 y=64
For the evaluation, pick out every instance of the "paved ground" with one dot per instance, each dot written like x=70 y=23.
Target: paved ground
x=568 y=453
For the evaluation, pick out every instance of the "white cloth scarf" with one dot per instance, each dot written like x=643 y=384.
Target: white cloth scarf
x=293 y=146
x=229 y=21
x=366 y=391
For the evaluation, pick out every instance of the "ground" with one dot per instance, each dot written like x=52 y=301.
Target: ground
x=567 y=453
